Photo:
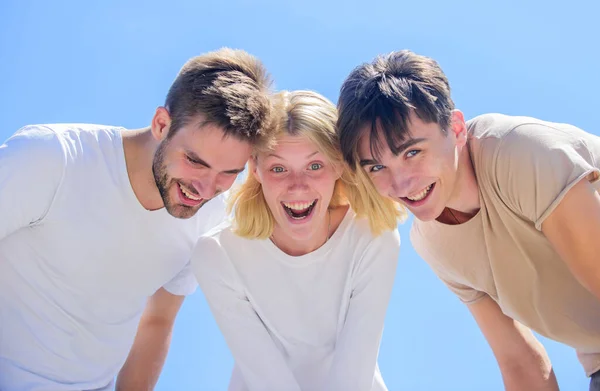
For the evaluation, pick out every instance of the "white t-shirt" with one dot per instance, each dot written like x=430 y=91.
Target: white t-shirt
x=79 y=256
x=312 y=322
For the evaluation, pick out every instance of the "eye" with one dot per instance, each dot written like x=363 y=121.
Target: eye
x=277 y=169
x=412 y=153
x=316 y=166
x=376 y=167
x=194 y=161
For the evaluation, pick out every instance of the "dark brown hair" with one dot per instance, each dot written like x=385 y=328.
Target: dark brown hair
x=382 y=94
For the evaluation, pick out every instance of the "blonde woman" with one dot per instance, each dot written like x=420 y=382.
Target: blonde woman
x=299 y=282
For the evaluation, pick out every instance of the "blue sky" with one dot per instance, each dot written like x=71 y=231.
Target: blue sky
x=111 y=62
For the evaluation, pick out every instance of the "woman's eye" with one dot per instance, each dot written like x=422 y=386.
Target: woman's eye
x=316 y=166
x=277 y=169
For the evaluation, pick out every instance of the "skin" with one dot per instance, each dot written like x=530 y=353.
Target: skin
x=432 y=157
x=193 y=158
x=428 y=157
x=205 y=162
x=296 y=171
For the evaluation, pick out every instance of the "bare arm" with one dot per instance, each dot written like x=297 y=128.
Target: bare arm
x=522 y=359
x=573 y=229
x=151 y=345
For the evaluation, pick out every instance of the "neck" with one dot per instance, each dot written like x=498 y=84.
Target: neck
x=139 y=146
x=296 y=248
x=465 y=198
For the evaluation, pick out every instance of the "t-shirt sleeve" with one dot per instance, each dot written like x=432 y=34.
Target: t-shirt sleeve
x=214 y=214
x=257 y=357
x=435 y=258
x=184 y=283
x=535 y=165
x=32 y=165
x=357 y=346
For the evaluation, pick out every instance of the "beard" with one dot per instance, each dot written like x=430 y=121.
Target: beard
x=164 y=182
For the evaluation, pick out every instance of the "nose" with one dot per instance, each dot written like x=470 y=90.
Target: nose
x=297 y=182
x=206 y=187
x=402 y=183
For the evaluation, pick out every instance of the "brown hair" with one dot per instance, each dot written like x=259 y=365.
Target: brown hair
x=230 y=88
x=382 y=94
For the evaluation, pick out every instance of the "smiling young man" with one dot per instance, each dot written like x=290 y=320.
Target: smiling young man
x=507 y=211
x=97 y=225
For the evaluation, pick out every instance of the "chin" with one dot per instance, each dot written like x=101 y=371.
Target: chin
x=301 y=234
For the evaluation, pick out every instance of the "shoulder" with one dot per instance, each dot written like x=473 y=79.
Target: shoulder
x=213 y=214
x=216 y=244
x=35 y=151
x=357 y=235
x=497 y=135
x=212 y=259
x=209 y=247
x=68 y=140
x=422 y=237
x=37 y=139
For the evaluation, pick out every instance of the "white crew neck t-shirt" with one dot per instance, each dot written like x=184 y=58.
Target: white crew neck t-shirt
x=311 y=322
x=79 y=256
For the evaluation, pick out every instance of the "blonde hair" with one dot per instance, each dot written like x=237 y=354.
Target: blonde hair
x=308 y=114
x=382 y=212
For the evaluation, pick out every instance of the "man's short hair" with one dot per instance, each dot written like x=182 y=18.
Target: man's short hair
x=229 y=88
x=381 y=95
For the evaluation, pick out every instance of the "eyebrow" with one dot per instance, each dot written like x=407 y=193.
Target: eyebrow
x=199 y=160
x=399 y=149
x=279 y=157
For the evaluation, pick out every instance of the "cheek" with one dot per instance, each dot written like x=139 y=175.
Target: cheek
x=272 y=188
x=381 y=182
x=226 y=182
x=180 y=169
x=324 y=184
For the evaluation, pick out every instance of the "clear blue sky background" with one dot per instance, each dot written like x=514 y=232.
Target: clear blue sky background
x=111 y=62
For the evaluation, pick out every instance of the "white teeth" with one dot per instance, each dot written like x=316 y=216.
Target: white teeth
x=421 y=195
x=298 y=205
x=188 y=195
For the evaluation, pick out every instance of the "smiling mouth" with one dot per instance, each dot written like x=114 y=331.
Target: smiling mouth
x=299 y=210
x=421 y=195
x=188 y=194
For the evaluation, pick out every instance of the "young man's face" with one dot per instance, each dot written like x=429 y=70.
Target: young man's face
x=423 y=176
x=196 y=164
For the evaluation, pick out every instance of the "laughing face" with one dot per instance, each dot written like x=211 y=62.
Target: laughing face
x=297 y=182
x=195 y=165
x=423 y=176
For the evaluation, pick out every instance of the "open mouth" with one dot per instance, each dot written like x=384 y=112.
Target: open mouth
x=188 y=196
x=420 y=196
x=299 y=210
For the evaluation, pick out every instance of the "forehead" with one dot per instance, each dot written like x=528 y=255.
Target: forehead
x=210 y=143
x=373 y=142
x=288 y=146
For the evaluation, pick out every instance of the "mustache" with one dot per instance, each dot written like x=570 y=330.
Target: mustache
x=192 y=190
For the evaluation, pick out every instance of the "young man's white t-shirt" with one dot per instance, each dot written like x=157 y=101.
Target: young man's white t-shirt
x=311 y=322
x=79 y=256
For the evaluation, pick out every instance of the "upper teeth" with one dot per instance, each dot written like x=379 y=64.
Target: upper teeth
x=187 y=193
x=419 y=196
x=298 y=205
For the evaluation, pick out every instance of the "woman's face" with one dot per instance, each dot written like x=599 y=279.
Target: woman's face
x=297 y=182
